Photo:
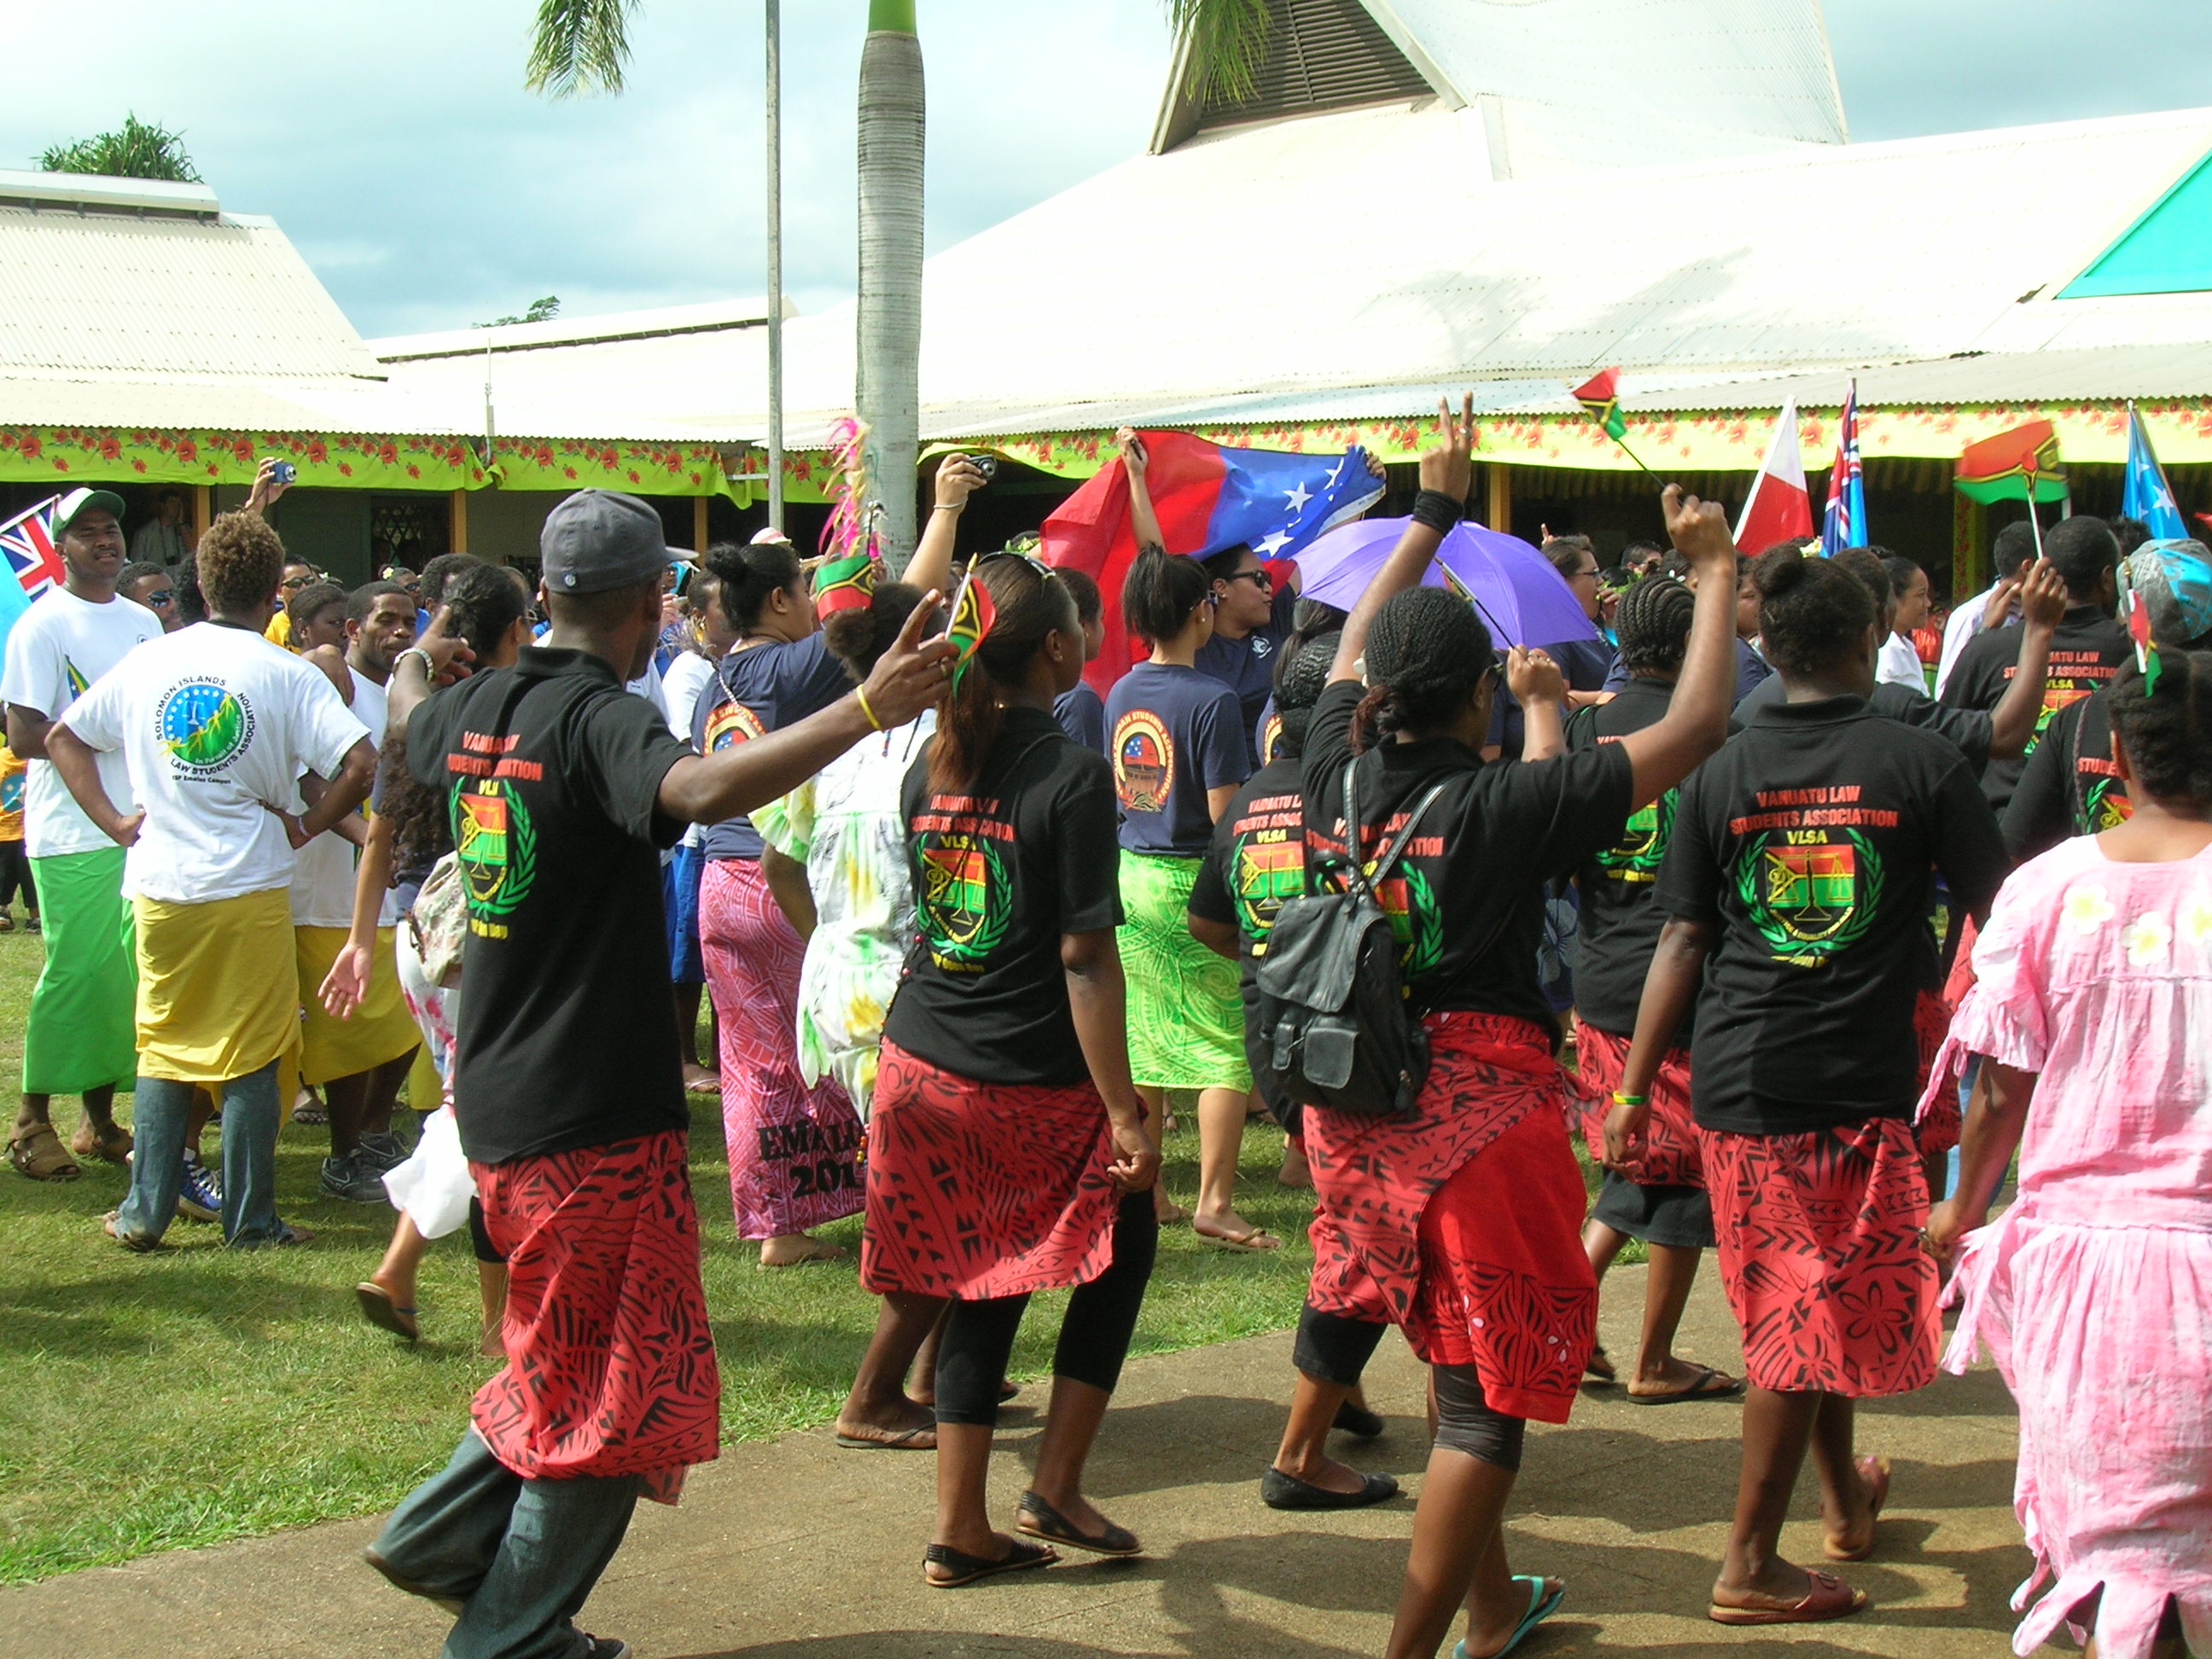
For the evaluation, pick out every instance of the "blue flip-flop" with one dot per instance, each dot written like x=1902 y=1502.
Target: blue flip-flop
x=1541 y=1608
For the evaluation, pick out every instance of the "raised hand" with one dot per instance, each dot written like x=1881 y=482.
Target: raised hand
x=1699 y=532
x=1533 y=676
x=910 y=675
x=1449 y=469
x=958 y=479
x=2042 y=597
x=1133 y=450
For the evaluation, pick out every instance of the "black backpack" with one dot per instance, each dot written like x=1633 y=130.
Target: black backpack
x=1333 y=1020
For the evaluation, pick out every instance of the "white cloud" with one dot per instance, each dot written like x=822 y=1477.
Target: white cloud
x=396 y=145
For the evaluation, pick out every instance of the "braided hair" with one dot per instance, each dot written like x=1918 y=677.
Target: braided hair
x=1427 y=655
x=2168 y=733
x=1813 y=614
x=1310 y=620
x=1653 y=626
x=1028 y=602
x=1299 y=682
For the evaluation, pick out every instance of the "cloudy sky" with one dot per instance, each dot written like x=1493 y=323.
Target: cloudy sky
x=396 y=147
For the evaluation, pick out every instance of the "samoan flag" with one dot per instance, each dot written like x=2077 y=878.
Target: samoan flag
x=1844 y=523
x=34 y=563
x=1208 y=498
x=2145 y=496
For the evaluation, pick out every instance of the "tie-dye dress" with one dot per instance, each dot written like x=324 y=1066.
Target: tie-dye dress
x=2093 y=1292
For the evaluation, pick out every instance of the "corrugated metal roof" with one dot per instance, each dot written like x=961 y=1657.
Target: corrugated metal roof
x=95 y=288
x=704 y=319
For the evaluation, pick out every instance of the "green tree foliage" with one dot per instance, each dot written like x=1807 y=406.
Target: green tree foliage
x=538 y=311
x=137 y=150
x=1226 y=40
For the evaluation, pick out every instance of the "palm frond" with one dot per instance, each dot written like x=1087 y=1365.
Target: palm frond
x=1227 y=41
x=580 y=46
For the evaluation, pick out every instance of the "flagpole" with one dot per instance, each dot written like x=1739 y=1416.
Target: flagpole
x=2034 y=523
x=1633 y=456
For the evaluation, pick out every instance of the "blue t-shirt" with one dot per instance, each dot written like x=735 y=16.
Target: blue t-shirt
x=1247 y=667
x=762 y=689
x=1082 y=715
x=1176 y=733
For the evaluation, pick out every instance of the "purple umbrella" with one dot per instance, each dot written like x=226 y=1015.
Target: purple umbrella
x=1521 y=599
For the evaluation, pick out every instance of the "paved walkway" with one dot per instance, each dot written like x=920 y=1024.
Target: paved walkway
x=796 y=1550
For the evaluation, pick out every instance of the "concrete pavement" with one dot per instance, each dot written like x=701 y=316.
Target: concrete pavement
x=795 y=1549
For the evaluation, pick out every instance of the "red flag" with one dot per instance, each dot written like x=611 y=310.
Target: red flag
x=1778 y=508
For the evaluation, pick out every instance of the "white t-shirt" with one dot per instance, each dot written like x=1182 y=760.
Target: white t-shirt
x=681 y=687
x=322 y=871
x=1900 y=664
x=213 y=722
x=59 y=648
x=1959 y=633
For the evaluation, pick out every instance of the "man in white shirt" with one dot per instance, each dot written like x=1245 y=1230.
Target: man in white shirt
x=216 y=725
x=160 y=540
x=360 y=1062
x=77 y=1037
x=2012 y=551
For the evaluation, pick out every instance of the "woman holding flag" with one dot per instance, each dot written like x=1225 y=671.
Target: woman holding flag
x=793 y=1149
x=1007 y=1152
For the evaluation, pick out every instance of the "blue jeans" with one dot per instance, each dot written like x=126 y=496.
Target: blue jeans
x=158 y=1109
x=521 y=1556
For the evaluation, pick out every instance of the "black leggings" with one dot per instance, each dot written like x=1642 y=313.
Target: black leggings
x=1466 y=1423
x=1094 y=1333
x=480 y=1237
x=16 y=875
x=1334 y=1348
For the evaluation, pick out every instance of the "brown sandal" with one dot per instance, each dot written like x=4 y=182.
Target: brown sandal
x=111 y=1144
x=37 y=1153
x=1830 y=1597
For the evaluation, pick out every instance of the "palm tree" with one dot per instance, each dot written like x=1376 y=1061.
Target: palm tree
x=137 y=149
x=583 y=45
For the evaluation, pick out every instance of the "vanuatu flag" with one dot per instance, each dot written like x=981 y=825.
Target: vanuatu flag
x=1600 y=396
x=2012 y=464
x=846 y=583
x=973 y=613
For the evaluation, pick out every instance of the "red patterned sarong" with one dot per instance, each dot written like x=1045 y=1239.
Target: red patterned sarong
x=1820 y=1250
x=1462 y=1225
x=794 y=1151
x=984 y=1189
x=1671 y=1157
x=1939 y=1126
x=609 y=1361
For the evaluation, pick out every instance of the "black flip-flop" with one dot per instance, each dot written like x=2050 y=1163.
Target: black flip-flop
x=973 y=1567
x=894 y=1442
x=1697 y=1391
x=381 y=1310
x=1040 y=1520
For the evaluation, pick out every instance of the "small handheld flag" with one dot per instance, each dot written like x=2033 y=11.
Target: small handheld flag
x=973 y=613
x=1599 y=397
x=1844 y=523
x=2138 y=615
x=2021 y=464
x=846 y=584
x=2145 y=495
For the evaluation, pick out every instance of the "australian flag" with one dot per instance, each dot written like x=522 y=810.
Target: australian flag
x=2145 y=496
x=1844 y=523
x=1209 y=498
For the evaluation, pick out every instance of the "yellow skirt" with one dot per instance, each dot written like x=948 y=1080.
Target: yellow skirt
x=218 y=993
x=380 y=1031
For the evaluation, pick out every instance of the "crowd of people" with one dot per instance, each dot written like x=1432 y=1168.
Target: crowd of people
x=966 y=921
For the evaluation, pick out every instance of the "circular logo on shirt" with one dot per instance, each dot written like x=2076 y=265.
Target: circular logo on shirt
x=1636 y=857
x=731 y=722
x=203 y=725
x=495 y=846
x=1144 y=761
x=965 y=900
x=2106 y=807
x=1271 y=731
x=1810 y=899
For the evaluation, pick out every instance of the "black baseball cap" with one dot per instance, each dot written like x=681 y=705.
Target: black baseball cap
x=600 y=540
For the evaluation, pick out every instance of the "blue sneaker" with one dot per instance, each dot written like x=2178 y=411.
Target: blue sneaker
x=200 y=1197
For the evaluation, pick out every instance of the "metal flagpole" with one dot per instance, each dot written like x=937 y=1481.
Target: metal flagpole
x=775 y=10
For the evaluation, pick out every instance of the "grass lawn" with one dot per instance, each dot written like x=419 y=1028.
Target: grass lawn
x=190 y=1396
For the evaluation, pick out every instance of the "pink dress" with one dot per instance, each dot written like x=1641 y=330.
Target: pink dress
x=2093 y=1292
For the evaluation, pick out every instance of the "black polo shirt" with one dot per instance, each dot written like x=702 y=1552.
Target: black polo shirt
x=1968 y=730
x=1256 y=864
x=1001 y=870
x=2071 y=785
x=2086 y=650
x=552 y=774
x=1808 y=847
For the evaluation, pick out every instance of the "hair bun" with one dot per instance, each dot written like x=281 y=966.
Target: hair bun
x=1778 y=573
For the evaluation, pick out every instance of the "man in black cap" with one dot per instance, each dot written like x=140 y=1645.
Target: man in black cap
x=566 y=1088
x=79 y=1038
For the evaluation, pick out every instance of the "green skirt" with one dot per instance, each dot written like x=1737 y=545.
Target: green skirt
x=1185 y=1016
x=81 y=1032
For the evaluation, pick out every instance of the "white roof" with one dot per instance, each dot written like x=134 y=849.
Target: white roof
x=1296 y=263
x=119 y=296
